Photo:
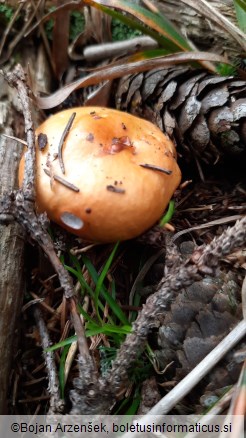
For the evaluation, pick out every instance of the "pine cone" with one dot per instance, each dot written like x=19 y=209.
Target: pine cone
x=203 y=113
x=198 y=319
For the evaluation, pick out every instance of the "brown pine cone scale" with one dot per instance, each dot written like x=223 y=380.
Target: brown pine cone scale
x=203 y=113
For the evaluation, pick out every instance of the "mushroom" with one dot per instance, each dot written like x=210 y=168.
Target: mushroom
x=103 y=174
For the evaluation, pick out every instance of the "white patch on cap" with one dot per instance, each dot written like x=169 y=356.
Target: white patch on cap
x=71 y=220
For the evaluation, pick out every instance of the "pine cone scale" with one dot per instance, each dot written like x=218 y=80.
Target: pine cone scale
x=215 y=98
x=204 y=113
x=188 y=113
x=185 y=90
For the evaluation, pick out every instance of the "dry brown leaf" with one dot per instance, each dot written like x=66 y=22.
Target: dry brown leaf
x=109 y=73
x=60 y=40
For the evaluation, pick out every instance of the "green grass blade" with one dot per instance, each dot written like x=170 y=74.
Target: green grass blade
x=113 y=290
x=240 y=3
x=104 y=273
x=132 y=410
x=121 y=406
x=77 y=272
x=62 y=370
x=133 y=24
x=107 y=329
x=85 y=315
x=62 y=344
x=240 y=8
x=147 y=54
x=108 y=298
x=80 y=278
x=169 y=214
x=100 y=288
x=155 y=21
x=157 y=24
x=136 y=302
x=92 y=330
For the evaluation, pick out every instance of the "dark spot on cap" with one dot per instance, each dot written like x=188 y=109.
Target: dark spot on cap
x=90 y=137
x=123 y=126
x=115 y=189
x=42 y=141
x=88 y=210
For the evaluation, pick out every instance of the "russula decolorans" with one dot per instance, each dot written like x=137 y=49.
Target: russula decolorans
x=103 y=174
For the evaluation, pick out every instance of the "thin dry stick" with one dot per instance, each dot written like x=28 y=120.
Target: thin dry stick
x=56 y=403
x=62 y=140
x=14 y=138
x=20 y=206
x=73 y=347
x=194 y=377
x=96 y=52
x=223 y=220
x=157 y=168
x=244 y=297
x=16 y=79
x=222 y=404
x=82 y=342
x=62 y=181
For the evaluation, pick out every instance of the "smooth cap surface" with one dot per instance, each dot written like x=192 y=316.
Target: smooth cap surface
x=110 y=159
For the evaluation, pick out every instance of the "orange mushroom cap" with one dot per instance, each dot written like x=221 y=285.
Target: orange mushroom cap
x=119 y=172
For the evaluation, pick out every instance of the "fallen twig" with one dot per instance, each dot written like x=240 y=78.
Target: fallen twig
x=19 y=205
x=203 y=261
x=194 y=377
x=62 y=181
x=61 y=142
x=117 y=48
x=182 y=388
x=56 y=403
